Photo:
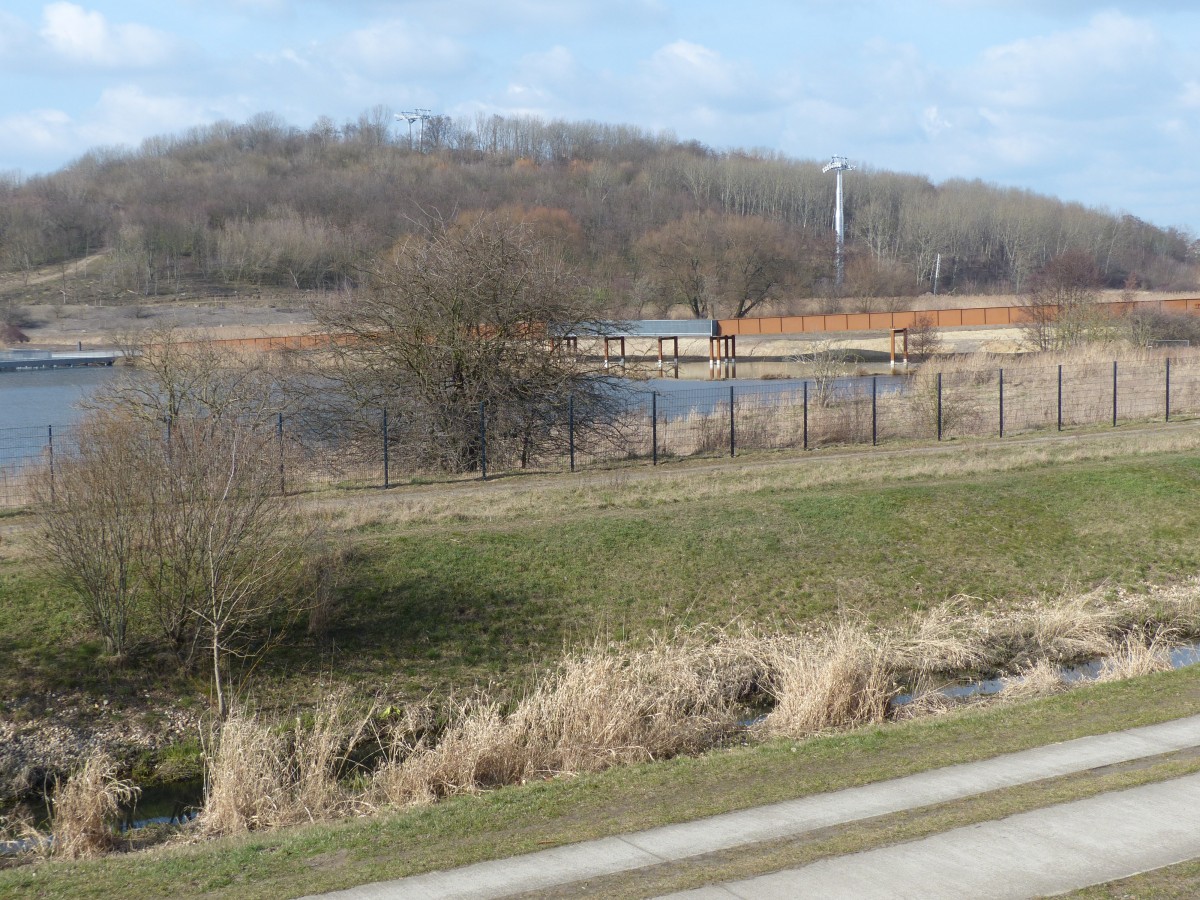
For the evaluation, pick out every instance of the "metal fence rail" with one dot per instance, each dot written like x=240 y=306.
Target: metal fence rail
x=713 y=419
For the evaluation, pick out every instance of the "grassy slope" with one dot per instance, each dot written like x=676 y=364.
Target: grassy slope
x=450 y=602
x=450 y=596
x=481 y=581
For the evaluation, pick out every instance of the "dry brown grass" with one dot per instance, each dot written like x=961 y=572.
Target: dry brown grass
x=614 y=704
x=1137 y=654
x=608 y=706
x=1038 y=679
x=85 y=809
x=840 y=679
x=259 y=775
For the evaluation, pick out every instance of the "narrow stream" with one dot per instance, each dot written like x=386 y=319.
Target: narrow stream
x=1184 y=655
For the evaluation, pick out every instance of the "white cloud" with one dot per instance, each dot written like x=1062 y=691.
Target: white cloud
x=15 y=37
x=42 y=130
x=694 y=70
x=1112 y=55
x=86 y=37
x=396 y=47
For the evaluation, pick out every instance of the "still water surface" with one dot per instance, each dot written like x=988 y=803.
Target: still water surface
x=44 y=397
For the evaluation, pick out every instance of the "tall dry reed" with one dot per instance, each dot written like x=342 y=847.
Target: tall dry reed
x=259 y=775
x=843 y=678
x=85 y=809
x=605 y=707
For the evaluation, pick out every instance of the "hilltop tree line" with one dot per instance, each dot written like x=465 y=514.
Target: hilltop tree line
x=648 y=221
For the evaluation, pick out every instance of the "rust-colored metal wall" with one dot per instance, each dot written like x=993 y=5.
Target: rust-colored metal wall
x=985 y=316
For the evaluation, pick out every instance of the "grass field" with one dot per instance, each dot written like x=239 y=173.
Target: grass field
x=456 y=585
x=453 y=585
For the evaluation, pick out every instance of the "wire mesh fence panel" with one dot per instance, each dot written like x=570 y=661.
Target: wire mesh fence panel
x=968 y=403
x=1087 y=394
x=1030 y=398
x=23 y=451
x=769 y=420
x=1185 y=387
x=371 y=448
x=1140 y=390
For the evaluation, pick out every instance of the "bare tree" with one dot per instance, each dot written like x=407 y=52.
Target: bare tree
x=470 y=315
x=1061 y=308
x=177 y=374
x=182 y=531
x=924 y=339
x=92 y=523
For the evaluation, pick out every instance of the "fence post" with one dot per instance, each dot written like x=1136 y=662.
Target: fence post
x=654 y=428
x=939 y=405
x=386 y=473
x=1168 y=403
x=1114 y=393
x=1002 y=403
x=279 y=437
x=482 y=443
x=732 y=442
x=50 y=450
x=1060 y=396
x=571 y=429
x=806 y=415
x=874 y=412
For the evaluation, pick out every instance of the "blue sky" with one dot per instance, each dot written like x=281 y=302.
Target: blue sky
x=1096 y=102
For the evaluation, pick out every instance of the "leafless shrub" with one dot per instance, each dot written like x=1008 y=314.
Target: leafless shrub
x=85 y=808
x=93 y=525
x=924 y=338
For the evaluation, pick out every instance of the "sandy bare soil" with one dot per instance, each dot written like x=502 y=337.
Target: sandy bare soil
x=69 y=326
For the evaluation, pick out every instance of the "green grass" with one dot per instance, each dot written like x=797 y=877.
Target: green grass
x=444 y=604
x=450 y=603
x=531 y=817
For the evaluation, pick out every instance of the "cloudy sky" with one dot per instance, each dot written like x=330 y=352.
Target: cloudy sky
x=1090 y=101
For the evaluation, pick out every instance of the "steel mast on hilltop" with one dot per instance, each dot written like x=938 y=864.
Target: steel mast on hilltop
x=415 y=115
x=839 y=164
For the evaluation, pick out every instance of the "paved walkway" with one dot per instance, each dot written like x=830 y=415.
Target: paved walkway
x=1047 y=851
x=606 y=856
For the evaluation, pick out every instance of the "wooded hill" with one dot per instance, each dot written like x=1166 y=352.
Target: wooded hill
x=647 y=220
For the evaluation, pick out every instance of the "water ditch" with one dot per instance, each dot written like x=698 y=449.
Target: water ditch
x=1178 y=657
x=174 y=805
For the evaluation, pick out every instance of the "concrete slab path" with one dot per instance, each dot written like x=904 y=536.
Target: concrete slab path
x=1047 y=851
x=590 y=859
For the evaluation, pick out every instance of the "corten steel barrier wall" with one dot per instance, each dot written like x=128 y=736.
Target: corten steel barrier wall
x=712 y=419
x=982 y=316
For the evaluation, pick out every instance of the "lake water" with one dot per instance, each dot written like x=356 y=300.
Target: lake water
x=35 y=399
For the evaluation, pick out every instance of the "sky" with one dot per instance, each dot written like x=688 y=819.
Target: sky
x=1088 y=101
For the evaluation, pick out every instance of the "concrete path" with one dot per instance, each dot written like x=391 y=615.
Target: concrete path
x=590 y=859
x=1047 y=851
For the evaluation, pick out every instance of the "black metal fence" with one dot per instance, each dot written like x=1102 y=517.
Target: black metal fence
x=713 y=419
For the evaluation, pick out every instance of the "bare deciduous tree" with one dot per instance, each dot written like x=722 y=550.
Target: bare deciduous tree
x=1061 y=308
x=469 y=314
x=183 y=532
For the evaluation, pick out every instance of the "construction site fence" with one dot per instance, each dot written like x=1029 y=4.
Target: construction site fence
x=375 y=448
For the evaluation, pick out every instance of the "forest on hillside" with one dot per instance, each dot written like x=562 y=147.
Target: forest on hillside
x=648 y=221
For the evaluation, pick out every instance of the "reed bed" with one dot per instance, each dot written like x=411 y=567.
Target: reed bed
x=85 y=809
x=615 y=704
